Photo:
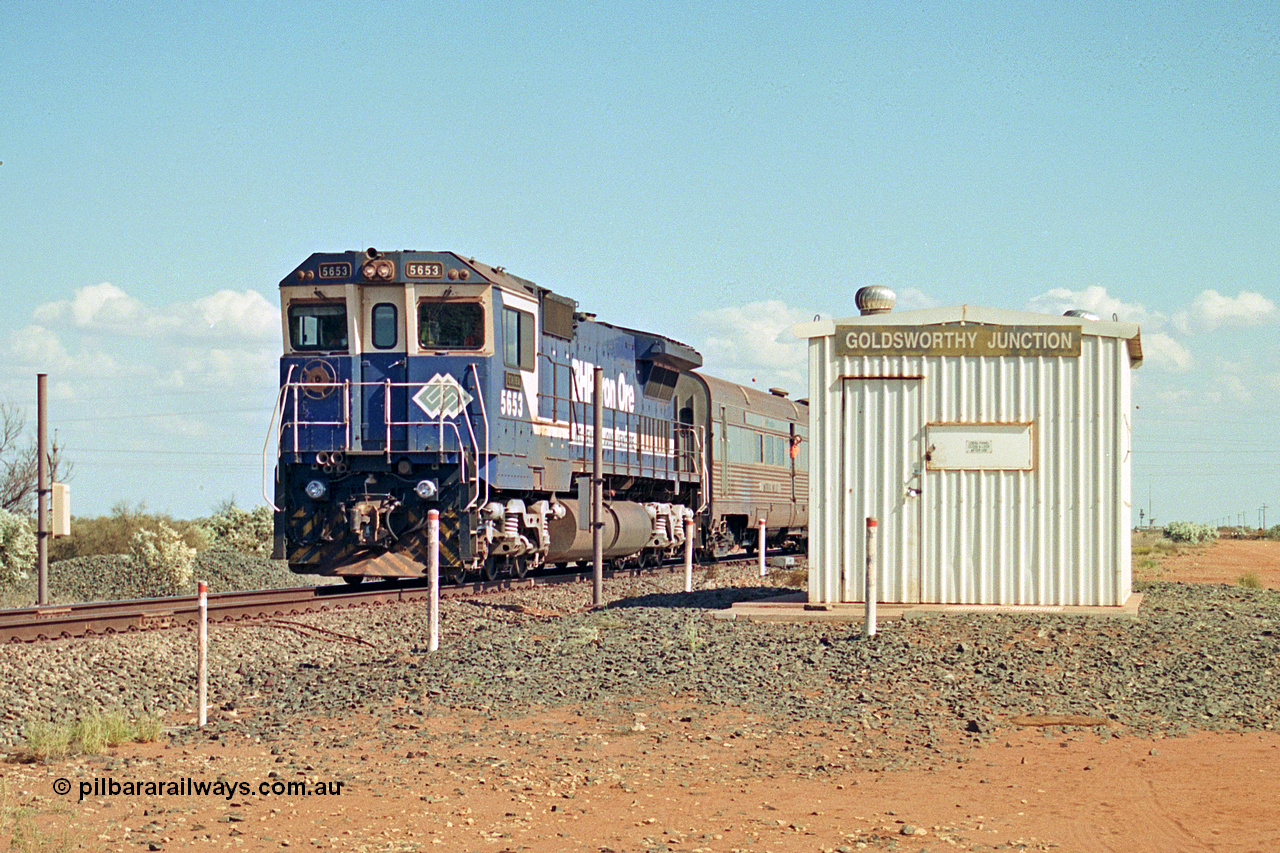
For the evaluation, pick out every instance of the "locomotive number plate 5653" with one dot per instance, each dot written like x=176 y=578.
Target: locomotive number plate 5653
x=334 y=269
x=424 y=269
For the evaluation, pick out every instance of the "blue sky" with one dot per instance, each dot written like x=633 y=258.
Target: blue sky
x=708 y=171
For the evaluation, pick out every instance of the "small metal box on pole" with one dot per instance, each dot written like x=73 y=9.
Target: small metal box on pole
x=61 y=510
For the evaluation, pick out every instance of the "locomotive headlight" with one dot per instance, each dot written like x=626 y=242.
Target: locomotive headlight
x=386 y=270
x=426 y=489
x=316 y=489
x=369 y=270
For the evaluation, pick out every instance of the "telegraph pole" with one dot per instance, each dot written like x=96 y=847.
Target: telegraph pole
x=42 y=493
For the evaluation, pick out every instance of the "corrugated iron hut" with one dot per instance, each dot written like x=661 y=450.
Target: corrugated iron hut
x=992 y=446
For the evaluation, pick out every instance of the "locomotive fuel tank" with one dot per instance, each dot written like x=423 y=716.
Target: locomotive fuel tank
x=627 y=527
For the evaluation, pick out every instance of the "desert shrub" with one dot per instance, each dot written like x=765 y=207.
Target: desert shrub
x=17 y=548
x=114 y=533
x=244 y=531
x=1273 y=532
x=1190 y=531
x=162 y=561
x=93 y=732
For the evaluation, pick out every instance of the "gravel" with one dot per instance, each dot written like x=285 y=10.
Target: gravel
x=1197 y=657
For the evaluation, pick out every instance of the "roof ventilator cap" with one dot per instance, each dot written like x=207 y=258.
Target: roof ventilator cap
x=1081 y=313
x=874 y=299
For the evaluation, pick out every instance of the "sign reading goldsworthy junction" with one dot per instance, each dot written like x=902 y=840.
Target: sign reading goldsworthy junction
x=958 y=339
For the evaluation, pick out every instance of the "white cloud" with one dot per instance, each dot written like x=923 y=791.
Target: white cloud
x=38 y=347
x=1211 y=311
x=230 y=314
x=1096 y=299
x=911 y=299
x=222 y=366
x=226 y=341
x=1164 y=353
x=753 y=344
x=99 y=307
x=1237 y=388
x=108 y=309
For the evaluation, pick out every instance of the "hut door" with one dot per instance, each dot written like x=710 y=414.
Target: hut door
x=880 y=459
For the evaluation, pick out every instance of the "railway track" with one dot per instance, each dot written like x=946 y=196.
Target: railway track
x=89 y=619
x=99 y=618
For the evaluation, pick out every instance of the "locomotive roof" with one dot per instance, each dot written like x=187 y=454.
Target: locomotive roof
x=657 y=348
x=452 y=260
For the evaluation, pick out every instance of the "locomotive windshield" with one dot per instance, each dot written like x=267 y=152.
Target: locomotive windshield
x=315 y=326
x=450 y=325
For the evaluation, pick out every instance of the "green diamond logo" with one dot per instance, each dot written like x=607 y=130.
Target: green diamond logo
x=442 y=397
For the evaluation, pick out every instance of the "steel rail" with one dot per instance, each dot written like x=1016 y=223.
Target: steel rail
x=98 y=618
x=104 y=618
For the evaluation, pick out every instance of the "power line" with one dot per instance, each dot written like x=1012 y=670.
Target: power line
x=135 y=416
x=119 y=450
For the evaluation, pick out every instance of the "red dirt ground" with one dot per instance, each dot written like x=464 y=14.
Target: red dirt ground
x=677 y=778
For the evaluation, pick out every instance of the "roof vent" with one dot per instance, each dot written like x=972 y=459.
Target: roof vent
x=1082 y=314
x=874 y=299
x=778 y=392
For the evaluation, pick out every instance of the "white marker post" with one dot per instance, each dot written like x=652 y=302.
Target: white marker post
x=202 y=654
x=433 y=572
x=763 y=570
x=688 y=555
x=871 y=578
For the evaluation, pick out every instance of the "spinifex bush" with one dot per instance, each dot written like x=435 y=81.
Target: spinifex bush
x=114 y=533
x=1190 y=531
x=17 y=548
x=90 y=734
x=162 y=562
x=245 y=531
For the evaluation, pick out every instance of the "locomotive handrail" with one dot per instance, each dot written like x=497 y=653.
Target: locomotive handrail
x=699 y=464
x=632 y=433
x=484 y=417
x=277 y=412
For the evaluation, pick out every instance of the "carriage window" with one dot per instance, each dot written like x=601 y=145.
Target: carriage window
x=384 y=326
x=517 y=339
x=745 y=445
x=315 y=326
x=451 y=325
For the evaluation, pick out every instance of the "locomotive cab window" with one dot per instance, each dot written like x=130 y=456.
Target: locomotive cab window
x=383 y=325
x=450 y=325
x=318 y=326
x=517 y=339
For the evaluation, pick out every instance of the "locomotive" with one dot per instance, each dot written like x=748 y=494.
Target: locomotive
x=413 y=381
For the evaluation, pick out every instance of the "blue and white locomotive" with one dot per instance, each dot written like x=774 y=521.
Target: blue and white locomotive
x=413 y=381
